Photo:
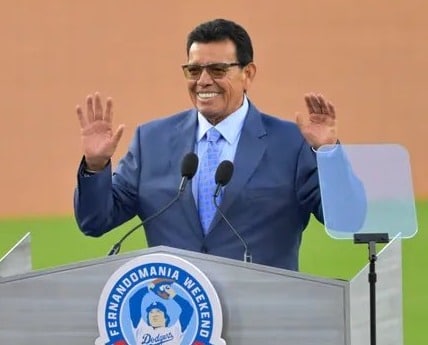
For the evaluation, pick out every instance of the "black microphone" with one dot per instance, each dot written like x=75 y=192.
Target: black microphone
x=222 y=177
x=189 y=165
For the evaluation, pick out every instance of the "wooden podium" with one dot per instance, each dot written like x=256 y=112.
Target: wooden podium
x=260 y=304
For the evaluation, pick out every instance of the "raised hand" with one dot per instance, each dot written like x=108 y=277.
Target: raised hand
x=98 y=140
x=319 y=126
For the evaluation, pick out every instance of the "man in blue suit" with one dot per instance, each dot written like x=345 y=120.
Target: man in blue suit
x=274 y=188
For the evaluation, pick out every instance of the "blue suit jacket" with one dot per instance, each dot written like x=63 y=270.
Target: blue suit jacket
x=269 y=199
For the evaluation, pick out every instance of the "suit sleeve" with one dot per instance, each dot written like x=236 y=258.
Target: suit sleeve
x=343 y=204
x=343 y=193
x=104 y=200
x=307 y=182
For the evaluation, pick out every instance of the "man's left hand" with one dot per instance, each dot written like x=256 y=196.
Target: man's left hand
x=319 y=126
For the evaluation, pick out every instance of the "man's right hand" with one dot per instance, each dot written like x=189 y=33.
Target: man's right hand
x=98 y=141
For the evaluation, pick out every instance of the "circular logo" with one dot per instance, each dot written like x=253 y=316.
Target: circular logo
x=159 y=299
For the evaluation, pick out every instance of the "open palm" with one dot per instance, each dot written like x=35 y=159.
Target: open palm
x=99 y=142
x=319 y=126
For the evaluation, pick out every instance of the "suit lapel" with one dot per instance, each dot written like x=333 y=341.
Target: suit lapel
x=250 y=150
x=183 y=142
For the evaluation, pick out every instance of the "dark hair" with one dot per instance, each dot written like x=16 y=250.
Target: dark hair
x=220 y=30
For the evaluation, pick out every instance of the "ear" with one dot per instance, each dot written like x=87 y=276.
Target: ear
x=249 y=73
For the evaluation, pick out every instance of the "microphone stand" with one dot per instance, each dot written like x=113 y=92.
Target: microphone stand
x=189 y=166
x=247 y=255
x=116 y=248
x=372 y=240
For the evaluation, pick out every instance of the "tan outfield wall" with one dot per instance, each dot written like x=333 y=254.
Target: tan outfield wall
x=369 y=57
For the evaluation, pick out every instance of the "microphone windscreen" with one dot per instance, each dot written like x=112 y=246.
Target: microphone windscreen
x=224 y=173
x=189 y=165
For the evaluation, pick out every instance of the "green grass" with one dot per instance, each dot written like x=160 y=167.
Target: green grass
x=326 y=257
x=57 y=241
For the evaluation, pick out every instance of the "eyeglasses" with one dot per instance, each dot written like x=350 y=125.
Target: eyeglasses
x=215 y=70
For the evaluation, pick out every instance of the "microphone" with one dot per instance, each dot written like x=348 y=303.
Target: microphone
x=222 y=177
x=189 y=165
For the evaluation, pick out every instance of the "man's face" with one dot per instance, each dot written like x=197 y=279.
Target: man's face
x=217 y=98
x=157 y=318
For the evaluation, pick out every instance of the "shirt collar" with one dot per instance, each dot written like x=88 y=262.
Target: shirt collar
x=230 y=127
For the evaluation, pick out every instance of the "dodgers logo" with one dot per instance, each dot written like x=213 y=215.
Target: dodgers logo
x=159 y=299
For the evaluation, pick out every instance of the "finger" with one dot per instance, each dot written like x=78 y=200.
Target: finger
x=300 y=121
x=309 y=103
x=82 y=118
x=98 y=107
x=323 y=104
x=116 y=137
x=315 y=106
x=90 y=108
x=109 y=110
x=331 y=110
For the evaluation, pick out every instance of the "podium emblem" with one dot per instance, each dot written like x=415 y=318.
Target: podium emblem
x=159 y=299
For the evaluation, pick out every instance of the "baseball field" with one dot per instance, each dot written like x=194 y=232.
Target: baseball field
x=57 y=241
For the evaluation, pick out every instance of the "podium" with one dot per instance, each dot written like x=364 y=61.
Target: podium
x=260 y=304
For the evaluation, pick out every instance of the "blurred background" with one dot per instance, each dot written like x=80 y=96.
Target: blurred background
x=367 y=57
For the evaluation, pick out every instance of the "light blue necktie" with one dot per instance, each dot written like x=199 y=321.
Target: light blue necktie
x=206 y=186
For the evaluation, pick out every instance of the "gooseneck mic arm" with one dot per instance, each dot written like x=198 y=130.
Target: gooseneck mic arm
x=222 y=177
x=189 y=166
x=116 y=248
